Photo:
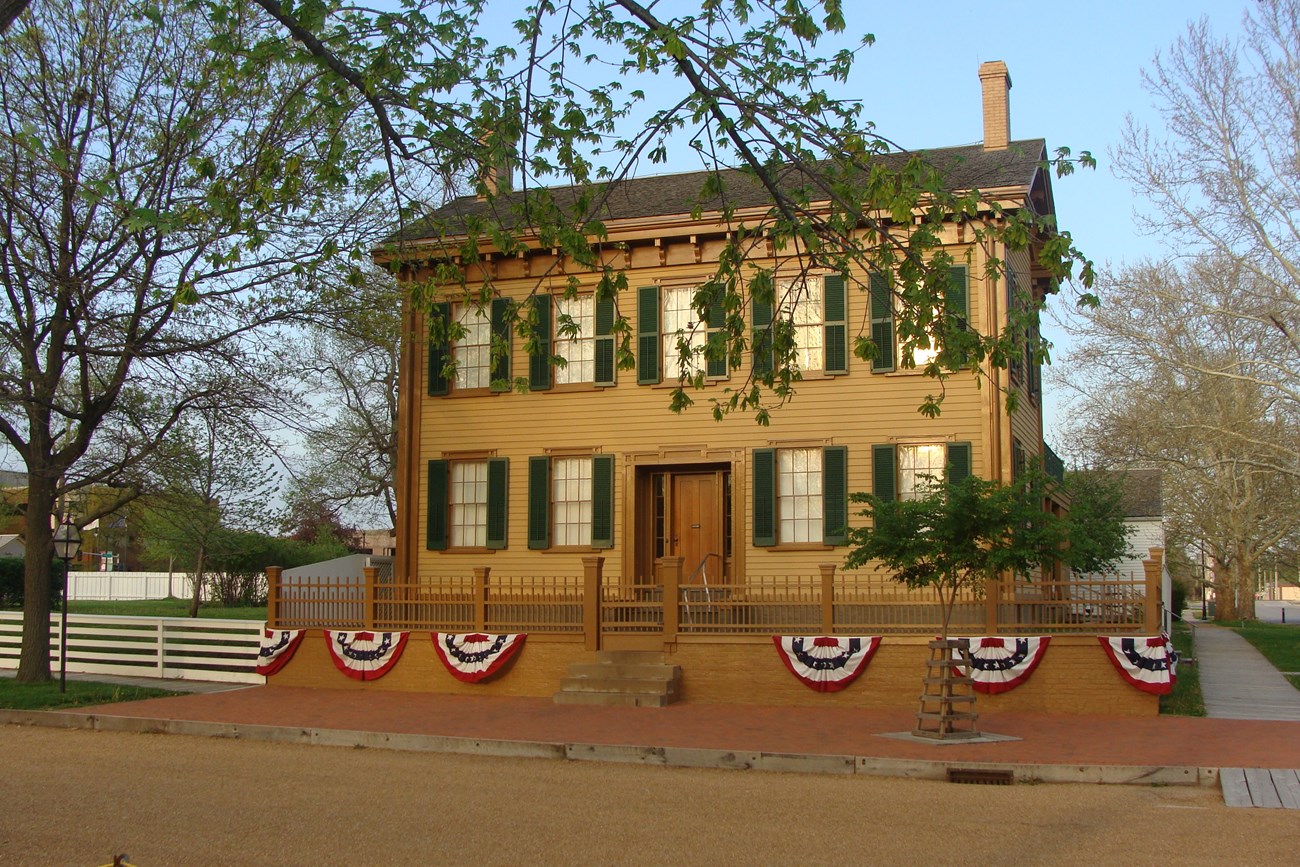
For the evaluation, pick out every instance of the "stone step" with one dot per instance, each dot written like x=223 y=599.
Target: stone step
x=618 y=684
x=608 y=699
x=628 y=670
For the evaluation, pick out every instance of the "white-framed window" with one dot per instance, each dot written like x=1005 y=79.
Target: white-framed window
x=920 y=469
x=575 y=330
x=571 y=501
x=681 y=323
x=469 y=504
x=799 y=495
x=473 y=351
x=800 y=301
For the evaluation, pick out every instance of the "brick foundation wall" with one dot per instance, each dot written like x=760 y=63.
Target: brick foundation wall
x=1075 y=677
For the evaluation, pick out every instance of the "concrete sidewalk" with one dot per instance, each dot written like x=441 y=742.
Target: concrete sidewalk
x=1238 y=682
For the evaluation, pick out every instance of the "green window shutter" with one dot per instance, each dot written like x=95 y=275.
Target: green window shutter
x=436 y=527
x=958 y=461
x=438 y=383
x=606 y=371
x=764 y=494
x=836 y=325
x=498 y=501
x=884 y=480
x=835 y=495
x=761 y=337
x=602 y=501
x=647 y=335
x=500 y=336
x=716 y=353
x=958 y=296
x=882 y=324
x=539 y=360
x=539 y=502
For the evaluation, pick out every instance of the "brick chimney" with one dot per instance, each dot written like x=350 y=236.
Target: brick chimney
x=995 y=81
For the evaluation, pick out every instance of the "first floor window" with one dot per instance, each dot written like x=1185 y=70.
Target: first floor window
x=920 y=470
x=910 y=471
x=571 y=501
x=800 y=496
x=467 y=505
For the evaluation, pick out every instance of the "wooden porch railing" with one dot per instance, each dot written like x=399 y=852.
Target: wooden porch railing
x=830 y=602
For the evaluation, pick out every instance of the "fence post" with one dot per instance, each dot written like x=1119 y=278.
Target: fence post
x=593 y=569
x=828 y=598
x=272 y=595
x=370 y=574
x=670 y=577
x=992 y=596
x=481 y=574
x=1151 y=603
x=162 y=648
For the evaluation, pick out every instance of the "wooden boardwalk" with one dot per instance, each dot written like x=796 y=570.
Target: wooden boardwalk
x=1260 y=787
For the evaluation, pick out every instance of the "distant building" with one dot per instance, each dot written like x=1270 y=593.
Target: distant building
x=11 y=545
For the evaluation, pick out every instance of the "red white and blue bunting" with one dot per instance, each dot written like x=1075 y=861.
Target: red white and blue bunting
x=365 y=655
x=1002 y=664
x=826 y=663
x=1150 y=664
x=474 y=656
x=277 y=648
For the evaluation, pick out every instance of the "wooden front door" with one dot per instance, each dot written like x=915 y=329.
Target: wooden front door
x=696 y=526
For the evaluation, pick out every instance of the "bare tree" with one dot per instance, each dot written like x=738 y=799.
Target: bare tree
x=159 y=217
x=1175 y=370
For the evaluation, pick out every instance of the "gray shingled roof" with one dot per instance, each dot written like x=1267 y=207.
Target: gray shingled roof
x=965 y=167
x=1141 y=494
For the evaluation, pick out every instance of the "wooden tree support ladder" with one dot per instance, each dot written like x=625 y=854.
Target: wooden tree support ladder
x=946 y=690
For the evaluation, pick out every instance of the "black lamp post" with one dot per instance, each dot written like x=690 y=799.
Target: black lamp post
x=67 y=544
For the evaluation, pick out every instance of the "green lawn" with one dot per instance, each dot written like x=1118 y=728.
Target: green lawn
x=167 y=608
x=1186 y=699
x=1279 y=643
x=46 y=696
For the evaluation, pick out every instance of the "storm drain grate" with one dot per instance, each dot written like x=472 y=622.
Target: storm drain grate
x=980 y=777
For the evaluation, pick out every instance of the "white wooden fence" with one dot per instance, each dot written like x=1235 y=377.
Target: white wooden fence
x=169 y=647
x=116 y=586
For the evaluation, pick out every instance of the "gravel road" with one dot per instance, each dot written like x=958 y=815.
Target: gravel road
x=79 y=797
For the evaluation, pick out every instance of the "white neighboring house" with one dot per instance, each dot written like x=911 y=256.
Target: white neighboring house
x=11 y=545
x=1144 y=516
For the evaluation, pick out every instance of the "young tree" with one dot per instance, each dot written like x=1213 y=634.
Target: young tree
x=157 y=211
x=958 y=535
x=212 y=480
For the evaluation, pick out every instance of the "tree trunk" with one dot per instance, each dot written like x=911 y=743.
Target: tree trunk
x=34 y=657
x=1243 y=579
x=198 y=582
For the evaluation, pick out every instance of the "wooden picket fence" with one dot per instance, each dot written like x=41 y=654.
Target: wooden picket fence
x=164 y=647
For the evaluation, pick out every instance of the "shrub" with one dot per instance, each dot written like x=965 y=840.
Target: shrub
x=12 y=591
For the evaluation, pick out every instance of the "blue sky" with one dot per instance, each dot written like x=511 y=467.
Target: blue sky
x=1076 y=75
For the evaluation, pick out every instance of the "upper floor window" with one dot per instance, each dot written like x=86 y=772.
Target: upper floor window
x=816 y=310
x=575 y=329
x=681 y=325
x=479 y=354
x=472 y=351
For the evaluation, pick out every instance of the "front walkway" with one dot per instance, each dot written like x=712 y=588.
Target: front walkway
x=1238 y=682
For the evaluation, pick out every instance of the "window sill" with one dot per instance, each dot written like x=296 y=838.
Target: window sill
x=802 y=546
x=470 y=550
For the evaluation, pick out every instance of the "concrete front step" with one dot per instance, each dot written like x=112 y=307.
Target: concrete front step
x=622 y=677
x=619 y=699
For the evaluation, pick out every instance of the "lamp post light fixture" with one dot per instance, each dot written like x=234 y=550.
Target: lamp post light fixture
x=67 y=544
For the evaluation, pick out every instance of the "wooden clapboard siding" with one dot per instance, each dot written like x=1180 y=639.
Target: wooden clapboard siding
x=857 y=410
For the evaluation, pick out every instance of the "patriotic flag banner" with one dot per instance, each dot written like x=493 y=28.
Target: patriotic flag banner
x=474 y=656
x=365 y=655
x=278 y=647
x=1002 y=664
x=826 y=663
x=1150 y=664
